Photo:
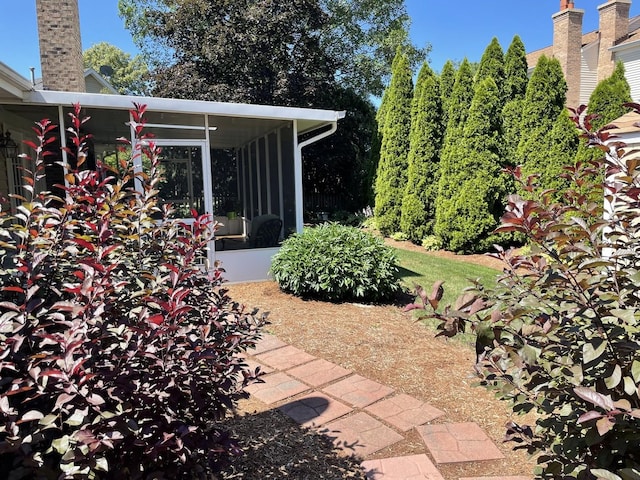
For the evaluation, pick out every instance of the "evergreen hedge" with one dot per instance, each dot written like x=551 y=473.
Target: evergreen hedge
x=418 y=203
x=391 y=177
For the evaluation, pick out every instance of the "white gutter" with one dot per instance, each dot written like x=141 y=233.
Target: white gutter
x=298 y=166
x=182 y=106
x=624 y=46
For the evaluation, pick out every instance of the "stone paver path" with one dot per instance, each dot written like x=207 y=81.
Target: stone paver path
x=362 y=416
x=358 y=391
x=458 y=442
x=413 y=467
x=404 y=412
x=314 y=409
x=361 y=434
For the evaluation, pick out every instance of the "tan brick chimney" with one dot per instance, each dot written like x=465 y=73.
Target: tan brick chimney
x=614 y=26
x=60 y=45
x=567 y=47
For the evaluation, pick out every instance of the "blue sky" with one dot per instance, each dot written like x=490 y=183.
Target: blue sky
x=454 y=28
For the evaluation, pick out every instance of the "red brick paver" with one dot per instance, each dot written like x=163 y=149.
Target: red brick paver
x=253 y=365
x=360 y=434
x=458 y=442
x=266 y=343
x=314 y=409
x=285 y=357
x=404 y=412
x=318 y=372
x=358 y=391
x=413 y=467
x=496 y=478
x=276 y=387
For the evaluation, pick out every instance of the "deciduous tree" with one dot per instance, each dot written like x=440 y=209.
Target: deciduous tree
x=128 y=75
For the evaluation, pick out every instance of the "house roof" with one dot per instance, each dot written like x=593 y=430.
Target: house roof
x=236 y=122
x=533 y=57
x=91 y=75
x=628 y=123
x=12 y=84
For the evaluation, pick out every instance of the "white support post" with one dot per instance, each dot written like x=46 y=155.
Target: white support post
x=267 y=166
x=280 y=179
x=297 y=178
x=259 y=177
x=63 y=142
x=250 y=180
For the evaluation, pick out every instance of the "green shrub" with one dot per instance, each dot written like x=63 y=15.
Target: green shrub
x=119 y=354
x=399 y=236
x=432 y=243
x=336 y=263
x=561 y=325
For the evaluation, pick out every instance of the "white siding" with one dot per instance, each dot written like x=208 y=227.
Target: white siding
x=631 y=60
x=588 y=72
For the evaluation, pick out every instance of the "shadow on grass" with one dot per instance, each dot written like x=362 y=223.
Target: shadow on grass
x=276 y=447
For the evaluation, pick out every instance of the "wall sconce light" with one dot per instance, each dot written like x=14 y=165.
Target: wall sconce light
x=8 y=146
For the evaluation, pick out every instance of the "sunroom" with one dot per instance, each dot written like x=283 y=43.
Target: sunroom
x=242 y=163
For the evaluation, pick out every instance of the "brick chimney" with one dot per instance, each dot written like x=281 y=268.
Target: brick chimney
x=567 y=47
x=60 y=45
x=614 y=26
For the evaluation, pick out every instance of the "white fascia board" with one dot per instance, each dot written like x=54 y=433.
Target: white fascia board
x=12 y=82
x=625 y=46
x=49 y=97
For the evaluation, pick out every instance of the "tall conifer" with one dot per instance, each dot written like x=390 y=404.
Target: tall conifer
x=460 y=100
x=515 y=87
x=492 y=66
x=476 y=186
x=606 y=102
x=515 y=70
x=544 y=101
x=391 y=177
x=447 y=80
x=418 y=204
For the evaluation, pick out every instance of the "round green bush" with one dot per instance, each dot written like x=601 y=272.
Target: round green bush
x=336 y=263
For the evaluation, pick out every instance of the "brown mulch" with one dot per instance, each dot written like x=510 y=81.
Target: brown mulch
x=381 y=343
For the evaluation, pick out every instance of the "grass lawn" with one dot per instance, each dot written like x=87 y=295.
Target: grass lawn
x=424 y=269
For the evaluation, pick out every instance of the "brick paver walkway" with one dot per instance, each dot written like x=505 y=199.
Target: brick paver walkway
x=362 y=416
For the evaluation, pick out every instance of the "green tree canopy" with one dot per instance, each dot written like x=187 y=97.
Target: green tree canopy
x=418 y=204
x=544 y=103
x=492 y=66
x=608 y=98
x=447 y=79
x=476 y=188
x=359 y=37
x=129 y=73
x=515 y=87
x=515 y=69
x=391 y=176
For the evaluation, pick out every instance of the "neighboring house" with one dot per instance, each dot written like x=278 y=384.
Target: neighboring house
x=93 y=83
x=588 y=58
x=254 y=150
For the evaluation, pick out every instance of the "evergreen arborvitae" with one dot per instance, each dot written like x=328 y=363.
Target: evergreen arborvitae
x=563 y=144
x=418 y=204
x=515 y=87
x=476 y=186
x=606 y=102
x=447 y=80
x=459 y=103
x=515 y=70
x=391 y=176
x=492 y=66
x=544 y=101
